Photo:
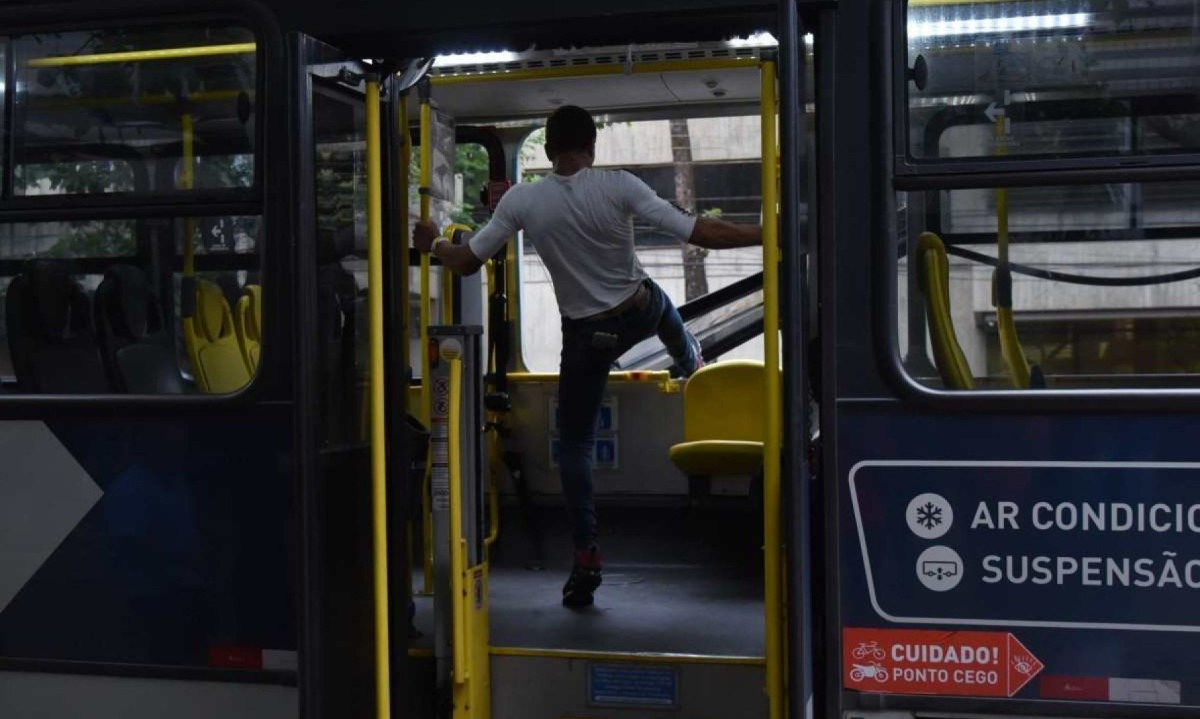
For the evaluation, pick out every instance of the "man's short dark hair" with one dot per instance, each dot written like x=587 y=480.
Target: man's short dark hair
x=569 y=129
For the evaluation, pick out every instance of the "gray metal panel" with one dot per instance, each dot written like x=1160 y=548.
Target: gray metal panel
x=58 y=696
x=524 y=687
x=457 y=341
x=650 y=421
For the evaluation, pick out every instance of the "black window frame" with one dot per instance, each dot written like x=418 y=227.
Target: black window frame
x=901 y=174
x=911 y=170
x=270 y=138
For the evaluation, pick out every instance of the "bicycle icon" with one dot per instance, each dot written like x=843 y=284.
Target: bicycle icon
x=868 y=649
x=878 y=672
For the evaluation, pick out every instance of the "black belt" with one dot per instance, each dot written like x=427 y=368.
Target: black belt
x=637 y=300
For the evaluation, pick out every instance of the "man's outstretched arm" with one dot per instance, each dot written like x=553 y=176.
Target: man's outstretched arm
x=715 y=234
x=459 y=258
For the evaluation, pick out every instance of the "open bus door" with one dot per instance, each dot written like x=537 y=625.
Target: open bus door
x=352 y=247
x=566 y=662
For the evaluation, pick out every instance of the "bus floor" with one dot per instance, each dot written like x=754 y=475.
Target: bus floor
x=676 y=580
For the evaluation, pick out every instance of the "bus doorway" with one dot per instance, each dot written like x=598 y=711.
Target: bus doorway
x=689 y=615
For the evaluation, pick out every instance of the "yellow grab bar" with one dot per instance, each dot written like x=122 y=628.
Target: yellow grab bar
x=424 y=313
x=170 y=53
x=622 y=376
x=772 y=446
x=402 y=207
x=458 y=545
x=378 y=383
x=1010 y=342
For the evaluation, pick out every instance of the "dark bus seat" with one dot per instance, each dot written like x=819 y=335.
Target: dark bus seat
x=138 y=353
x=211 y=343
x=50 y=334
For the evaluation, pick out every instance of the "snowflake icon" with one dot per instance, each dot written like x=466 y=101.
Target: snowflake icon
x=929 y=515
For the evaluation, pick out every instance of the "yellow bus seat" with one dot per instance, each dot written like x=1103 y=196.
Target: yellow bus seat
x=723 y=427
x=247 y=322
x=212 y=344
x=933 y=269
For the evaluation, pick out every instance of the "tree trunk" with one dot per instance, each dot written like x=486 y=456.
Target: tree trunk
x=695 y=281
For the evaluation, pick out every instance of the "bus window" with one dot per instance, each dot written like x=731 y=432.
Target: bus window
x=1104 y=289
x=95 y=116
x=707 y=165
x=341 y=217
x=96 y=307
x=1069 y=80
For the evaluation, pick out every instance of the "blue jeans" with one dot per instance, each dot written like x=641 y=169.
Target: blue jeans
x=589 y=349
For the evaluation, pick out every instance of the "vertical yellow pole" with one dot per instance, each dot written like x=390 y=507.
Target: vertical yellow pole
x=383 y=708
x=426 y=181
x=405 y=142
x=458 y=562
x=1002 y=196
x=187 y=181
x=772 y=550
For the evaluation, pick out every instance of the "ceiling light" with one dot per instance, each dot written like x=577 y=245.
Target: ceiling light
x=474 y=58
x=997 y=25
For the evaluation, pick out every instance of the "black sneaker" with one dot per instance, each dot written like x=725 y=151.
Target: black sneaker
x=585 y=577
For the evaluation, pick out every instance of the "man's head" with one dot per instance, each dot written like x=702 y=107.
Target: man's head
x=570 y=129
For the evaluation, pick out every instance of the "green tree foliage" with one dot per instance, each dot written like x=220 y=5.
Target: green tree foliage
x=471 y=161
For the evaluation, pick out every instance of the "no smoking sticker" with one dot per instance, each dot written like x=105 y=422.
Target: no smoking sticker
x=919 y=661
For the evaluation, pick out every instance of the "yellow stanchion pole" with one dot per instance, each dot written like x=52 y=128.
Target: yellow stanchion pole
x=772 y=402
x=378 y=400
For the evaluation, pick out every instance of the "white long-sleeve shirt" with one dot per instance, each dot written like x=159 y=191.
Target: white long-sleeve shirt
x=582 y=227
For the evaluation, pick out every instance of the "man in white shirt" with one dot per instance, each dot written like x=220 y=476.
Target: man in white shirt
x=581 y=221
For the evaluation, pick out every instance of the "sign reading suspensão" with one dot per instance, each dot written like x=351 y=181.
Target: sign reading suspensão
x=975 y=568
x=1035 y=544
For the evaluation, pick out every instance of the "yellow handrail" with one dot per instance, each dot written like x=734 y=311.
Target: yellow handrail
x=650 y=375
x=402 y=207
x=448 y=277
x=187 y=181
x=772 y=446
x=552 y=73
x=169 y=53
x=424 y=315
x=1010 y=342
x=378 y=398
x=458 y=589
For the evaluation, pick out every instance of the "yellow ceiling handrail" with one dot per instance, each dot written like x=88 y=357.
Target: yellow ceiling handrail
x=170 y=53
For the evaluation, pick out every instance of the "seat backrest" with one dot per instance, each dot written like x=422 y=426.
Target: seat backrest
x=211 y=342
x=50 y=334
x=724 y=401
x=247 y=321
x=933 y=268
x=138 y=353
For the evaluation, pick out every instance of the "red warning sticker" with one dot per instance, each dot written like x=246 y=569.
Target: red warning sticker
x=921 y=661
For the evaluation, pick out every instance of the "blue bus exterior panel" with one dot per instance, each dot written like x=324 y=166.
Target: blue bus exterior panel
x=150 y=542
x=1020 y=558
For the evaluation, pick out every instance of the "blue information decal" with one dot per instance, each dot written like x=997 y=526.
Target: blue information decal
x=1080 y=545
x=633 y=685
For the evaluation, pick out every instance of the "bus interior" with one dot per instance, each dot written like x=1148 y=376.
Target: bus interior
x=140 y=164
x=682 y=536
